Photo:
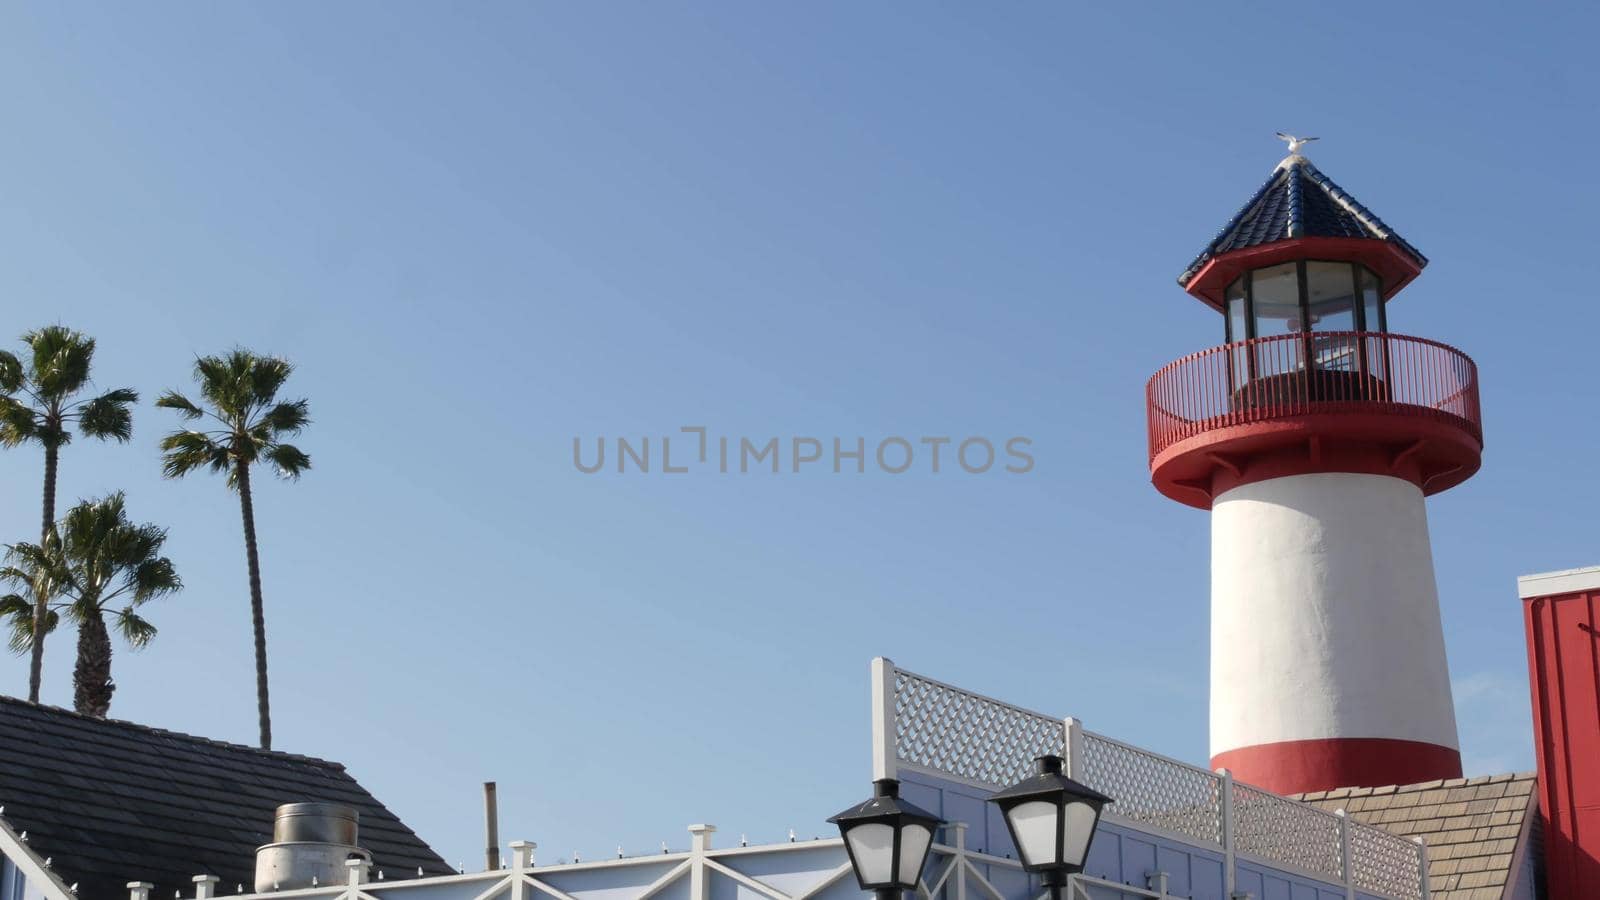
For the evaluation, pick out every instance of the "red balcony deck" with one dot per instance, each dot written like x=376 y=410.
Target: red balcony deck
x=1325 y=401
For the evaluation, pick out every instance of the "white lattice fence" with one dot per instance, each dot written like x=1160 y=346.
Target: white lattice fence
x=1284 y=831
x=1384 y=863
x=968 y=735
x=1152 y=789
x=946 y=730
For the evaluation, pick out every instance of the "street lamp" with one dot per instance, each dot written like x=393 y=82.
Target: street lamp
x=888 y=840
x=1052 y=820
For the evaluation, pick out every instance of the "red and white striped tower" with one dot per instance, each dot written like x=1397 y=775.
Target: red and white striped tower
x=1313 y=435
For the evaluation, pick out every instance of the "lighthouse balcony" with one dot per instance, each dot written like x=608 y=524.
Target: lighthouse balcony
x=1313 y=402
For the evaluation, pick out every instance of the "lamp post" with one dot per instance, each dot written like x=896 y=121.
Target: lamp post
x=888 y=840
x=1052 y=819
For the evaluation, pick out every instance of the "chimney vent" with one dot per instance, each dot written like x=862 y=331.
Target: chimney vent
x=310 y=844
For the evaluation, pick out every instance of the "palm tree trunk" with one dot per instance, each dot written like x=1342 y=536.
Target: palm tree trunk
x=51 y=459
x=257 y=617
x=91 y=677
x=36 y=657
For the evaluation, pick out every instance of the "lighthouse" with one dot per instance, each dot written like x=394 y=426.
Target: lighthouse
x=1313 y=433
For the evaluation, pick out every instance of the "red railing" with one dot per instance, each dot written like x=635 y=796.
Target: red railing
x=1302 y=374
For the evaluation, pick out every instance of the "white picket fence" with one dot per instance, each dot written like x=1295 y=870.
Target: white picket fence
x=933 y=727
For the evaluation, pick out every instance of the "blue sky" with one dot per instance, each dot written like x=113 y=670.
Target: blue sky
x=483 y=230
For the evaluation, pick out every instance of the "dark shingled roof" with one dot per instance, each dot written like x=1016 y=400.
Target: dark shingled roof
x=114 y=802
x=1297 y=201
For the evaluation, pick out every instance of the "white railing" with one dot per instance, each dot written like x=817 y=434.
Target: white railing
x=947 y=731
x=953 y=871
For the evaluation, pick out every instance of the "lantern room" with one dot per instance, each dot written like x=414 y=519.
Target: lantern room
x=1309 y=376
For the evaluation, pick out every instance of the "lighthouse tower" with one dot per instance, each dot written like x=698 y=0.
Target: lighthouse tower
x=1312 y=434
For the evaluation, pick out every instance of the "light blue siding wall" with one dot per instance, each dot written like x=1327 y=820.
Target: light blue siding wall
x=1266 y=883
x=1123 y=854
x=13 y=886
x=1131 y=857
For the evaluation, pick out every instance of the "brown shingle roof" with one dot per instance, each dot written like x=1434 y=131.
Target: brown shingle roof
x=1472 y=825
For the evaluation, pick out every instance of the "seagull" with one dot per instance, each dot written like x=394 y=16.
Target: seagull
x=1295 y=143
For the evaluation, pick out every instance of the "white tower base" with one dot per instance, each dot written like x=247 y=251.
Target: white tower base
x=1327 y=654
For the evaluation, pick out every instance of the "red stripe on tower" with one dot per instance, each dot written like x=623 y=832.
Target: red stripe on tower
x=1294 y=767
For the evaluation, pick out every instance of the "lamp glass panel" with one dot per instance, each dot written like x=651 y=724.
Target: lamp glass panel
x=1275 y=297
x=1033 y=824
x=872 y=846
x=1237 y=331
x=1080 y=827
x=1372 y=309
x=1276 y=292
x=1331 y=297
x=914 y=842
x=1372 y=300
x=1234 y=321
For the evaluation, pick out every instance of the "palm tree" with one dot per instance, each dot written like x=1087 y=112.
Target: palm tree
x=240 y=391
x=56 y=373
x=96 y=559
x=35 y=571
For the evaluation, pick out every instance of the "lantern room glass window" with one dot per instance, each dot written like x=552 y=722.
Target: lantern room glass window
x=1274 y=297
x=1332 y=306
x=1282 y=299
x=1377 y=315
x=1275 y=293
x=1238 y=324
x=1331 y=295
x=1301 y=297
x=1376 y=318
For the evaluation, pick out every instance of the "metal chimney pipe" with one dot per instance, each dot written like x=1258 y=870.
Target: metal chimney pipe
x=491 y=828
x=310 y=844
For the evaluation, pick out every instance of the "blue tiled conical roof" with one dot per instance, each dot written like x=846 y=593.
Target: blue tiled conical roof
x=1298 y=201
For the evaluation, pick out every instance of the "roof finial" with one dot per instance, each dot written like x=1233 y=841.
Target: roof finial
x=1295 y=143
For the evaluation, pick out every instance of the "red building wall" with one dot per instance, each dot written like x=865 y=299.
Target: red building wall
x=1560 y=613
